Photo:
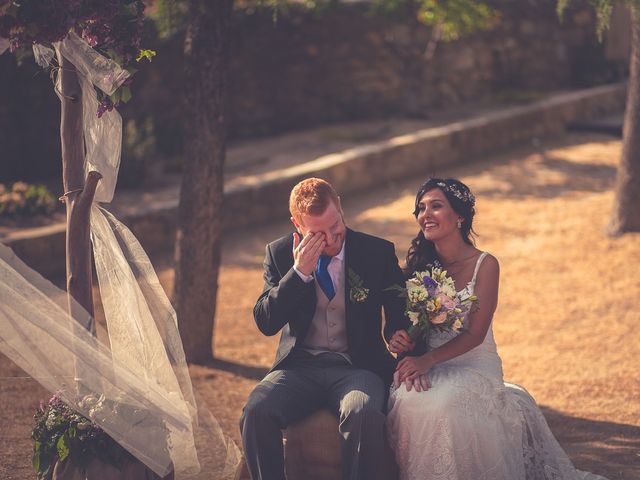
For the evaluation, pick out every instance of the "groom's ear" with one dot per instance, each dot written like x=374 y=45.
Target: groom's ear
x=297 y=225
x=340 y=209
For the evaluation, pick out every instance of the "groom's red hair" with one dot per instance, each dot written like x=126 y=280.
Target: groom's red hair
x=311 y=197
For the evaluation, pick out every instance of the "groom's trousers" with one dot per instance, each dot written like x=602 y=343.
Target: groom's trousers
x=304 y=384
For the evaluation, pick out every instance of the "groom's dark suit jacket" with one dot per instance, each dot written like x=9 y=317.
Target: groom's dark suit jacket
x=287 y=303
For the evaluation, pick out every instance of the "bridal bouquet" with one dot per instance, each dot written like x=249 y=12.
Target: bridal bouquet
x=433 y=302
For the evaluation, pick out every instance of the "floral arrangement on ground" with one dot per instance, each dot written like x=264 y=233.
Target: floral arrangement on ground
x=62 y=434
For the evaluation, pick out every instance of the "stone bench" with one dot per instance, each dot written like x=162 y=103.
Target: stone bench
x=312 y=449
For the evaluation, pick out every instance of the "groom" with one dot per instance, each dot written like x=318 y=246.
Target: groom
x=325 y=287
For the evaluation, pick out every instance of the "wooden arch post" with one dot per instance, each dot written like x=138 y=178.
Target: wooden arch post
x=79 y=192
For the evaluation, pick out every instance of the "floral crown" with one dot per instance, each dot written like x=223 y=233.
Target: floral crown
x=464 y=195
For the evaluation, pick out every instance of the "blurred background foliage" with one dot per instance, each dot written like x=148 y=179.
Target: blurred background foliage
x=24 y=200
x=300 y=64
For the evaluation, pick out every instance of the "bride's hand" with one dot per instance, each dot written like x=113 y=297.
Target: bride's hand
x=421 y=383
x=411 y=368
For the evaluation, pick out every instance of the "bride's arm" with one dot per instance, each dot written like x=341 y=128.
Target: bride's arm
x=478 y=324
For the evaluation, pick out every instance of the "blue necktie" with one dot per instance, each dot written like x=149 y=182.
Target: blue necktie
x=323 y=278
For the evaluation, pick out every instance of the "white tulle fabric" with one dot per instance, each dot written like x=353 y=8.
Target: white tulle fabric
x=472 y=425
x=102 y=136
x=37 y=333
x=137 y=365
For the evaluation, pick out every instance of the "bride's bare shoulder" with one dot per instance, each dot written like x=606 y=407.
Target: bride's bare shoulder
x=490 y=267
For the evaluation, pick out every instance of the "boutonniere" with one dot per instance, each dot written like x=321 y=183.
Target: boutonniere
x=357 y=293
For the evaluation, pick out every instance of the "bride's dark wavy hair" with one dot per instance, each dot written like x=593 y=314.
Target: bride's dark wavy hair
x=422 y=252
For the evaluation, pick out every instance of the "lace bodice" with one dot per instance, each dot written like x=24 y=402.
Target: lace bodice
x=470 y=288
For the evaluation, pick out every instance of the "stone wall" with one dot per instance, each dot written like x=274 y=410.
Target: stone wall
x=347 y=64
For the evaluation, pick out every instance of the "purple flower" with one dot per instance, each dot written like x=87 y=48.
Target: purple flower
x=104 y=106
x=429 y=283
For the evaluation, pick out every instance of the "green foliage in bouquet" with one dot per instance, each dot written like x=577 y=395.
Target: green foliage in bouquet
x=23 y=199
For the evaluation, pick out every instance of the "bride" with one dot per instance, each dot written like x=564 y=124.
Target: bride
x=451 y=416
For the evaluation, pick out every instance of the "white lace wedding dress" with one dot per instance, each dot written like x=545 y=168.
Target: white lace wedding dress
x=470 y=425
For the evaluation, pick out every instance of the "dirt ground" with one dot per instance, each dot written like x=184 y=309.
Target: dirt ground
x=566 y=327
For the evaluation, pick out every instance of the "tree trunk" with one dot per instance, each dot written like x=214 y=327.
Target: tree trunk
x=626 y=215
x=78 y=193
x=199 y=212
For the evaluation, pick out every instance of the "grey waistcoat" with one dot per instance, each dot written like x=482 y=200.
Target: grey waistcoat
x=328 y=329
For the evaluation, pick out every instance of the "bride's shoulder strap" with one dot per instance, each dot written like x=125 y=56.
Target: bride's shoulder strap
x=478 y=263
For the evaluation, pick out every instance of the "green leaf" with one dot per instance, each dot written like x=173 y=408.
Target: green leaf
x=397 y=288
x=63 y=447
x=35 y=459
x=561 y=7
x=116 y=96
x=148 y=54
x=451 y=18
x=41 y=463
x=603 y=9
x=113 y=55
x=126 y=94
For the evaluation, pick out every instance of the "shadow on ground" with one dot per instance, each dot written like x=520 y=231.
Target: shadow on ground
x=239 y=369
x=606 y=448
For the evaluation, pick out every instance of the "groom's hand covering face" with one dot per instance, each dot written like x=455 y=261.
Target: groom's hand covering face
x=329 y=224
x=307 y=251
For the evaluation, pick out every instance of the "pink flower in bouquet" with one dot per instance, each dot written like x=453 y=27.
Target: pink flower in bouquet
x=447 y=302
x=440 y=318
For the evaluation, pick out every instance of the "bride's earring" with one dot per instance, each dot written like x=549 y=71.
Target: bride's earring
x=459 y=223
